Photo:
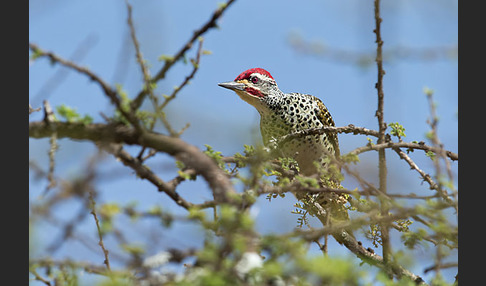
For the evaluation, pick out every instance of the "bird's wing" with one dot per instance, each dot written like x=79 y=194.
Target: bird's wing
x=326 y=119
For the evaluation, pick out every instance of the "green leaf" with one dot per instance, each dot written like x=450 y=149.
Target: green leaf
x=215 y=155
x=68 y=113
x=307 y=182
x=222 y=5
x=428 y=91
x=430 y=154
x=108 y=210
x=72 y=116
x=166 y=58
x=397 y=129
x=350 y=158
x=370 y=141
x=35 y=54
x=133 y=249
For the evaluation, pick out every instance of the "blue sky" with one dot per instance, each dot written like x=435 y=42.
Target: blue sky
x=250 y=34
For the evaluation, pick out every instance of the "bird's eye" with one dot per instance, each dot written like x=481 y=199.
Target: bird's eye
x=254 y=79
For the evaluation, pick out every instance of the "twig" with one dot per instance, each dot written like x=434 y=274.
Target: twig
x=111 y=93
x=61 y=74
x=296 y=187
x=195 y=64
x=92 y=204
x=433 y=121
x=32 y=110
x=443 y=194
x=140 y=60
x=442 y=266
x=88 y=267
x=148 y=87
x=56 y=59
x=365 y=131
x=159 y=109
x=39 y=278
x=409 y=145
x=328 y=129
x=426 y=177
x=211 y=23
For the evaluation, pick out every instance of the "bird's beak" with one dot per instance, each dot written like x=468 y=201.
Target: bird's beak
x=233 y=85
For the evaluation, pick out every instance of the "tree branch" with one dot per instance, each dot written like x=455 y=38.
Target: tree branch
x=365 y=131
x=328 y=129
x=357 y=248
x=145 y=173
x=382 y=128
x=190 y=155
x=409 y=145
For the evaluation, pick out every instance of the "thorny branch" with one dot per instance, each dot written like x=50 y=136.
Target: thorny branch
x=92 y=205
x=365 y=131
x=426 y=177
x=385 y=237
x=408 y=145
x=323 y=130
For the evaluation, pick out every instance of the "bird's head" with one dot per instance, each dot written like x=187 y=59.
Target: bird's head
x=254 y=86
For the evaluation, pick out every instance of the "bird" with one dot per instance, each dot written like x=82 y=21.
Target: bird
x=282 y=114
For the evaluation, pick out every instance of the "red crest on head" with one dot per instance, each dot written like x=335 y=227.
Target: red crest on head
x=246 y=74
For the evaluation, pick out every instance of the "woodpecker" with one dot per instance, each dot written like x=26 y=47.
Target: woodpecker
x=285 y=113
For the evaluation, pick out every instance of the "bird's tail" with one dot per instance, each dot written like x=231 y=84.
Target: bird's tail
x=331 y=210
